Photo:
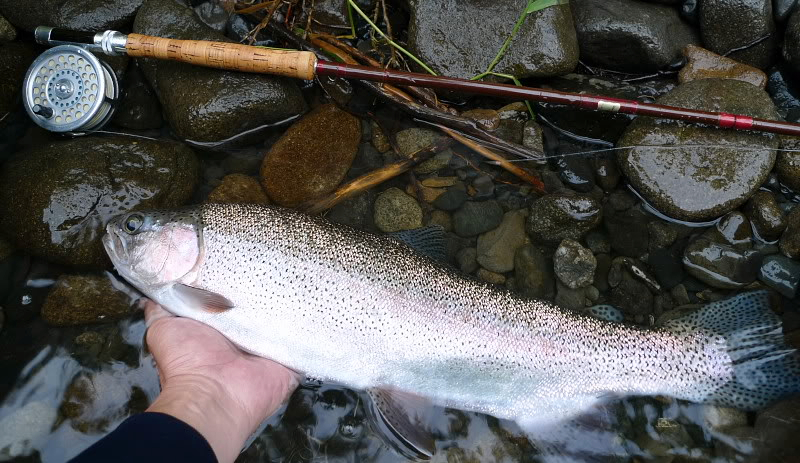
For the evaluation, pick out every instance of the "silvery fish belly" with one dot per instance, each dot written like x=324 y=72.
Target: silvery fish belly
x=368 y=311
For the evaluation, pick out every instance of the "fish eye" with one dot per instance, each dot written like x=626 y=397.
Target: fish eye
x=133 y=223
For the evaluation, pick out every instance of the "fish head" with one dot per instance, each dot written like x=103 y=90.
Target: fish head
x=152 y=249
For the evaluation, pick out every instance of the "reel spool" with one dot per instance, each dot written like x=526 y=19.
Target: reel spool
x=67 y=89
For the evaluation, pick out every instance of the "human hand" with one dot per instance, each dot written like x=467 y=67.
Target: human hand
x=210 y=384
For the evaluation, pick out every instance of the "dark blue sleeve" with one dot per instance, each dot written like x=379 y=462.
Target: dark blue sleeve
x=152 y=438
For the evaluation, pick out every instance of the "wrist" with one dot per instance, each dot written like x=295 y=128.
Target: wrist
x=205 y=406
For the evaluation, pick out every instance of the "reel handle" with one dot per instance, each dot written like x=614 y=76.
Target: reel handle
x=221 y=55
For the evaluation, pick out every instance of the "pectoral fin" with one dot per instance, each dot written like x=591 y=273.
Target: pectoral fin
x=403 y=415
x=206 y=300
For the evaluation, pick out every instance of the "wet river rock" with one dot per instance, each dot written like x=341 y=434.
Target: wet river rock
x=7 y=31
x=444 y=33
x=556 y=217
x=788 y=163
x=705 y=64
x=312 y=157
x=139 y=109
x=720 y=265
x=766 y=216
x=630 y=36
x=603 y=125
x=79 y=15
x=729 y=24
x=15 y=57
x=208 y=106
x=781 y=273
x=790 y=240
x=791 y=41
x=693 y=182
x=55 y=199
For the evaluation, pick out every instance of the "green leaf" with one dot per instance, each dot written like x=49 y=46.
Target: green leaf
x=536 y=5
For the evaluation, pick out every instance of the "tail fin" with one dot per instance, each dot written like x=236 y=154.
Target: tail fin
x=764 y=367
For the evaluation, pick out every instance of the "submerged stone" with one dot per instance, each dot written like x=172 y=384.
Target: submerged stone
x=556 y=217
x=56 y=199
x=627 y=231
x=312 y=157
x=396 y=211
x=238 y=188
x=533 y=273
x=476 y=217
x=496 y=248
x=467 y=259
x=211 y=107
x=574 y=265
x=441 y=32
x=85 y=299
x=630 y=36
x=689 y=181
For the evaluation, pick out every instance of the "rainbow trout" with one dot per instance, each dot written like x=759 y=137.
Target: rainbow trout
x=367 y=311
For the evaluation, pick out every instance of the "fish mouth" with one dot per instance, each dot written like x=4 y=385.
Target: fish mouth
x=116 y=247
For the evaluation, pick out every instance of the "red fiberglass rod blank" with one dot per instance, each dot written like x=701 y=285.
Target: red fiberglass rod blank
x=597 y=103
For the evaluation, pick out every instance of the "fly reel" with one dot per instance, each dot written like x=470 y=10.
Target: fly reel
x=67 y=89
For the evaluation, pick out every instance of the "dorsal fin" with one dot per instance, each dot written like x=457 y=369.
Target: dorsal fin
x=429 y=241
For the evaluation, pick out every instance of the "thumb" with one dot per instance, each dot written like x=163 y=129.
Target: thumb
x=153 y=312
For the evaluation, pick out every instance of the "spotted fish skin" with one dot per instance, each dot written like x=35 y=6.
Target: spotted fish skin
x=366 y=311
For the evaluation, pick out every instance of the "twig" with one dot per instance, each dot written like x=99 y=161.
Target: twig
x=438 y=114
x=393 y=58
x=376 y=177
x=251 y=36
x=537 y=184
x=427 y=95
x=486 y=152
x=450 y=122
x=391 y=42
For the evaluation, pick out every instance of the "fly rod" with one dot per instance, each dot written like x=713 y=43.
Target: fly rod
x=45 y=102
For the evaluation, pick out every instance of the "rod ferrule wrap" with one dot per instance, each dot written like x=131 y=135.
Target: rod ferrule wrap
x=111 y=42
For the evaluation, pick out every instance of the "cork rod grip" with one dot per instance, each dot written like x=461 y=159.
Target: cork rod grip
x=221 y=55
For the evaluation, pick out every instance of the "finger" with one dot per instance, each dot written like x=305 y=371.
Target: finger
x=154 y=312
